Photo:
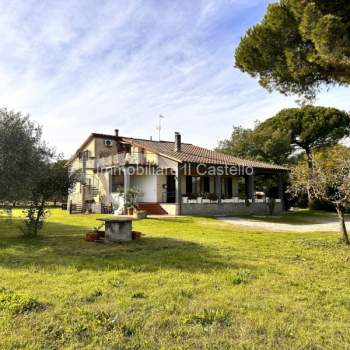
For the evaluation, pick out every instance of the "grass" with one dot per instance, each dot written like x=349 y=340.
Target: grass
x=190 y=283
x=303 y=216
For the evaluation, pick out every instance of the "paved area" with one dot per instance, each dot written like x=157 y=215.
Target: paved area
x=312 y=224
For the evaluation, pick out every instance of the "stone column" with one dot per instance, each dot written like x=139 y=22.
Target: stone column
x=108 y=180
x=218 y=187
x=126 y=181
x=250 y=187
x=280 y=190
x=178 y=197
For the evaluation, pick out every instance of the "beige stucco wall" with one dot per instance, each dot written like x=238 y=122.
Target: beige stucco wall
x=91 y=147
x=101 y=150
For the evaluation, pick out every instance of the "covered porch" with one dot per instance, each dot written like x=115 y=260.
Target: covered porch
x=198 y=194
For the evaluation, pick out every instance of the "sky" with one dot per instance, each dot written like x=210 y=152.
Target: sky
x=83 y=66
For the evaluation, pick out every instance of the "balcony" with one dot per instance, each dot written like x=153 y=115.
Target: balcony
x=121 y=159
x=115 y=160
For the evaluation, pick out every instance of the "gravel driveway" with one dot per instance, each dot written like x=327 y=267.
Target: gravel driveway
x=312 y=224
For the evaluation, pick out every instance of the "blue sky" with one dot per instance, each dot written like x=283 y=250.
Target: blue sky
x=82 y=66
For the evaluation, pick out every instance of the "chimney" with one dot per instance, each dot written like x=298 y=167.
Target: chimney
x=177 y=147
x=117 y=141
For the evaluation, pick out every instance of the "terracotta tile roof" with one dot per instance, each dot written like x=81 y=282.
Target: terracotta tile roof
x=189 y=153
x=194 y=154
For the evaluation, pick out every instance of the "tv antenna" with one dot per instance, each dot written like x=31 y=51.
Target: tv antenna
x=159 y=127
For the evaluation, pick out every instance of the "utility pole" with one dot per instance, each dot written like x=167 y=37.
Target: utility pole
x=159 y=127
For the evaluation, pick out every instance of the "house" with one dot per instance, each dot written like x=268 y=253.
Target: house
x=166 y=177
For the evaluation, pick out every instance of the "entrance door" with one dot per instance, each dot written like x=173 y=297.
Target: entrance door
x=170 y=189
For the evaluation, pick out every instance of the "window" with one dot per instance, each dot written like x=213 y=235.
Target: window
x=117 y=183
x=188 y=184
x=227 y=187
x=193 y=184
x=206 y=184
x=241 y=187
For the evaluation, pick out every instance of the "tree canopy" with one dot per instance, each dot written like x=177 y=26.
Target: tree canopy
x=266 y=145
x=309 y=127
x=330 y=181
x=29 y=170
x=21 y=154
x=298 y=46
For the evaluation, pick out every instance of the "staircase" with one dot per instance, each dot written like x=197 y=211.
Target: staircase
x=76 y=208
x=152 y=208
x=91 y=190
x=91 y=186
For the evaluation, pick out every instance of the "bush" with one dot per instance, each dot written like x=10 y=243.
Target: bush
x=212 y=197
x=318 y=204
x=191 y=196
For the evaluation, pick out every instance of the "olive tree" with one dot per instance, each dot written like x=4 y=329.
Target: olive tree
x=309 y=129
x=330 y=181
x=53 y=181
x=21 y=153
x=29 y=170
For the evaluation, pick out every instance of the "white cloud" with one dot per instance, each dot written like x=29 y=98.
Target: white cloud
x=84 y=66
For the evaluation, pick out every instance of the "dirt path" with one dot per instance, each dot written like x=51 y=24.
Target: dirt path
x=315 y=224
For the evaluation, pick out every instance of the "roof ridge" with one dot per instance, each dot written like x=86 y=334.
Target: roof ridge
x=156 y=141
x=190 y=153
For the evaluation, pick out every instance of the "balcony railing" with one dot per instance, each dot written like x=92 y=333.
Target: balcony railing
x=119 y=159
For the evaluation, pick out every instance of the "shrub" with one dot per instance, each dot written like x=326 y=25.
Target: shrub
x=192 y=196
x=212 y=197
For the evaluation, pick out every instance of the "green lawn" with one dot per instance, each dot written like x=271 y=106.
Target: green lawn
x=302 y=216
x=190 y=283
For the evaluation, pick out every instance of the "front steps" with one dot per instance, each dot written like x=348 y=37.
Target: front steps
x=152 y=208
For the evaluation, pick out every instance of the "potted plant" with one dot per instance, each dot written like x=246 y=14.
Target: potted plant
x=192 y=197
x=213 y=197
x=131 y=200
x=140 y=214
x=95 y=234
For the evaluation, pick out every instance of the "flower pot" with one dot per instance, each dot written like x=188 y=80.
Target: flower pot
x=92 y=236
x=136 y=235
x=130 y=211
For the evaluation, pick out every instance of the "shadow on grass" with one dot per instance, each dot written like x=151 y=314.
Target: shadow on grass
x=64 y=245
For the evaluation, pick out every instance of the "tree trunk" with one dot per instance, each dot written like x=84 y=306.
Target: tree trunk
x=343 y=230
x=39 y=216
